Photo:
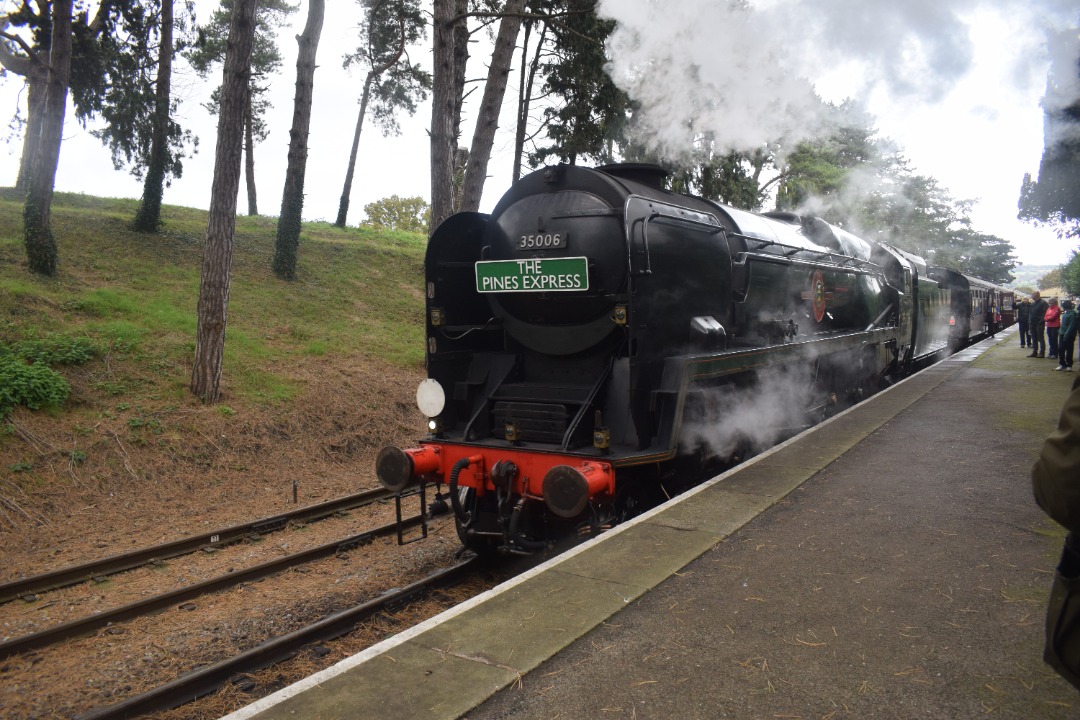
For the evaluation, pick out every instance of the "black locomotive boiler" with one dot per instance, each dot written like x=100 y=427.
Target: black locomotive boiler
x=597 y=342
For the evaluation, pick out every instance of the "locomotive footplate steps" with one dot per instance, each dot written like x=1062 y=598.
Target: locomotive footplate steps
x=402 y=523
x=887 y=563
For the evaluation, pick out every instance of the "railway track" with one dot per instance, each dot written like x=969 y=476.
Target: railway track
x=90 y=623
x=27 y=588
x=208 y=679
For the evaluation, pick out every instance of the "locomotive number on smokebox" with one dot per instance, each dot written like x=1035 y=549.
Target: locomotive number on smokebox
x=550 y=240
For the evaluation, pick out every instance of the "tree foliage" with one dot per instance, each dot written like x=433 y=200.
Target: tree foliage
x=397 y=213
x=26 y=36
x=1054 y=198
x=390 y=28
x=587 y=114
x=104 y=65
x=209 y=50
x=129 y=102
x=112 y=77
x=1052 y=279
x=820 y=170
x=732 y=178
x=1070 y=274
x=853 y=178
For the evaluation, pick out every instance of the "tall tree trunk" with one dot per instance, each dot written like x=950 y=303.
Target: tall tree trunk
x=217 y=254
x=525 y=88
x=37 y=210
x=523 y=104
x=487 y=120
x=148 y=218
x=249 y=159
x=34 y=69
x=292 y=197
x=445 y=99
x=37 y=85
x=346 y=191
x=461 y=62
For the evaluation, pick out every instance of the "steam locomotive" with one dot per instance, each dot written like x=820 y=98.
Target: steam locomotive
x=598 y=343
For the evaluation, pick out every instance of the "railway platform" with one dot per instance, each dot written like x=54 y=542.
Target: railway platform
x=889 y=563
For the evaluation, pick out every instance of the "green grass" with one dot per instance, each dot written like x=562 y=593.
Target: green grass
x=359 y=293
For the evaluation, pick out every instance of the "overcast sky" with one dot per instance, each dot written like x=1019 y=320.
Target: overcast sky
x=957 y=83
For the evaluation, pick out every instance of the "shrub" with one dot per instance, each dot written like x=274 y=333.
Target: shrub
x=396 y=213
x=34 y=385
x=55 y=350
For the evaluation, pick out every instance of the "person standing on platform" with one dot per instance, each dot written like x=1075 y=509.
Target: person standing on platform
x=1055 y=481
x=1067 y=336
x=1037 y=323
x=1023 y=314
x=1053 y=326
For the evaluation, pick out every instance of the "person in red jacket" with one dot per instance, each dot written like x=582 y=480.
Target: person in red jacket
x=1053 y=325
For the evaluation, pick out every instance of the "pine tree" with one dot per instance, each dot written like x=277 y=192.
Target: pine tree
x=217 y=256
x=392 y=81
x=292 y=197
x=210 y=49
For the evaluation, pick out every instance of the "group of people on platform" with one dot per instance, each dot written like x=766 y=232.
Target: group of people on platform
x=1048 y=329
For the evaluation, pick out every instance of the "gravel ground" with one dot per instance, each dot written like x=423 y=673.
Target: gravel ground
x=110 y=476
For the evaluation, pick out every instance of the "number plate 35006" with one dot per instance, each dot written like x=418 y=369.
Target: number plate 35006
x=542 y=241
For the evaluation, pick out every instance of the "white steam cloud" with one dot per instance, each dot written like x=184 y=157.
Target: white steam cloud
x=755 y=417
x=744 y=71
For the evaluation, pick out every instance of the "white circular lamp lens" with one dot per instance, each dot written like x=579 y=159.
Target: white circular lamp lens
x=430 y=398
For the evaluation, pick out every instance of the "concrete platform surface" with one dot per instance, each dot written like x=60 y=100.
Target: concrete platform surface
x=890 y=563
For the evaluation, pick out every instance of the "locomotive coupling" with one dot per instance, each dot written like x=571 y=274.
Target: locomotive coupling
x=397 y=468
x=567 y=490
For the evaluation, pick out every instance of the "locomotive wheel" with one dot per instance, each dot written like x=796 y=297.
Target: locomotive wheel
x=634 y=494
x=484 y=546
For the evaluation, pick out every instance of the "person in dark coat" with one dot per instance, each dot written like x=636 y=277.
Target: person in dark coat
x=1038 y=325
x=1067 y=337
x=1055 y=480
x=1023 y=313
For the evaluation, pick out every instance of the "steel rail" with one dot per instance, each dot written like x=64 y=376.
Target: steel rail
x=76 y=574
x=86 y=625
x=206 y=680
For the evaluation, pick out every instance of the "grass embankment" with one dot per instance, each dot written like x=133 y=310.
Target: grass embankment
x=316 y=373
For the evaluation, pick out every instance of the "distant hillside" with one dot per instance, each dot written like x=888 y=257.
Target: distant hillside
x=1030 y=274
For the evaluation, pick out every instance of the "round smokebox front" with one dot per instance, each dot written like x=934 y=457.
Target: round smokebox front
x=553 y=266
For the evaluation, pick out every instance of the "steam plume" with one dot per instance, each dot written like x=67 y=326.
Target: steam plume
x=744 y=71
